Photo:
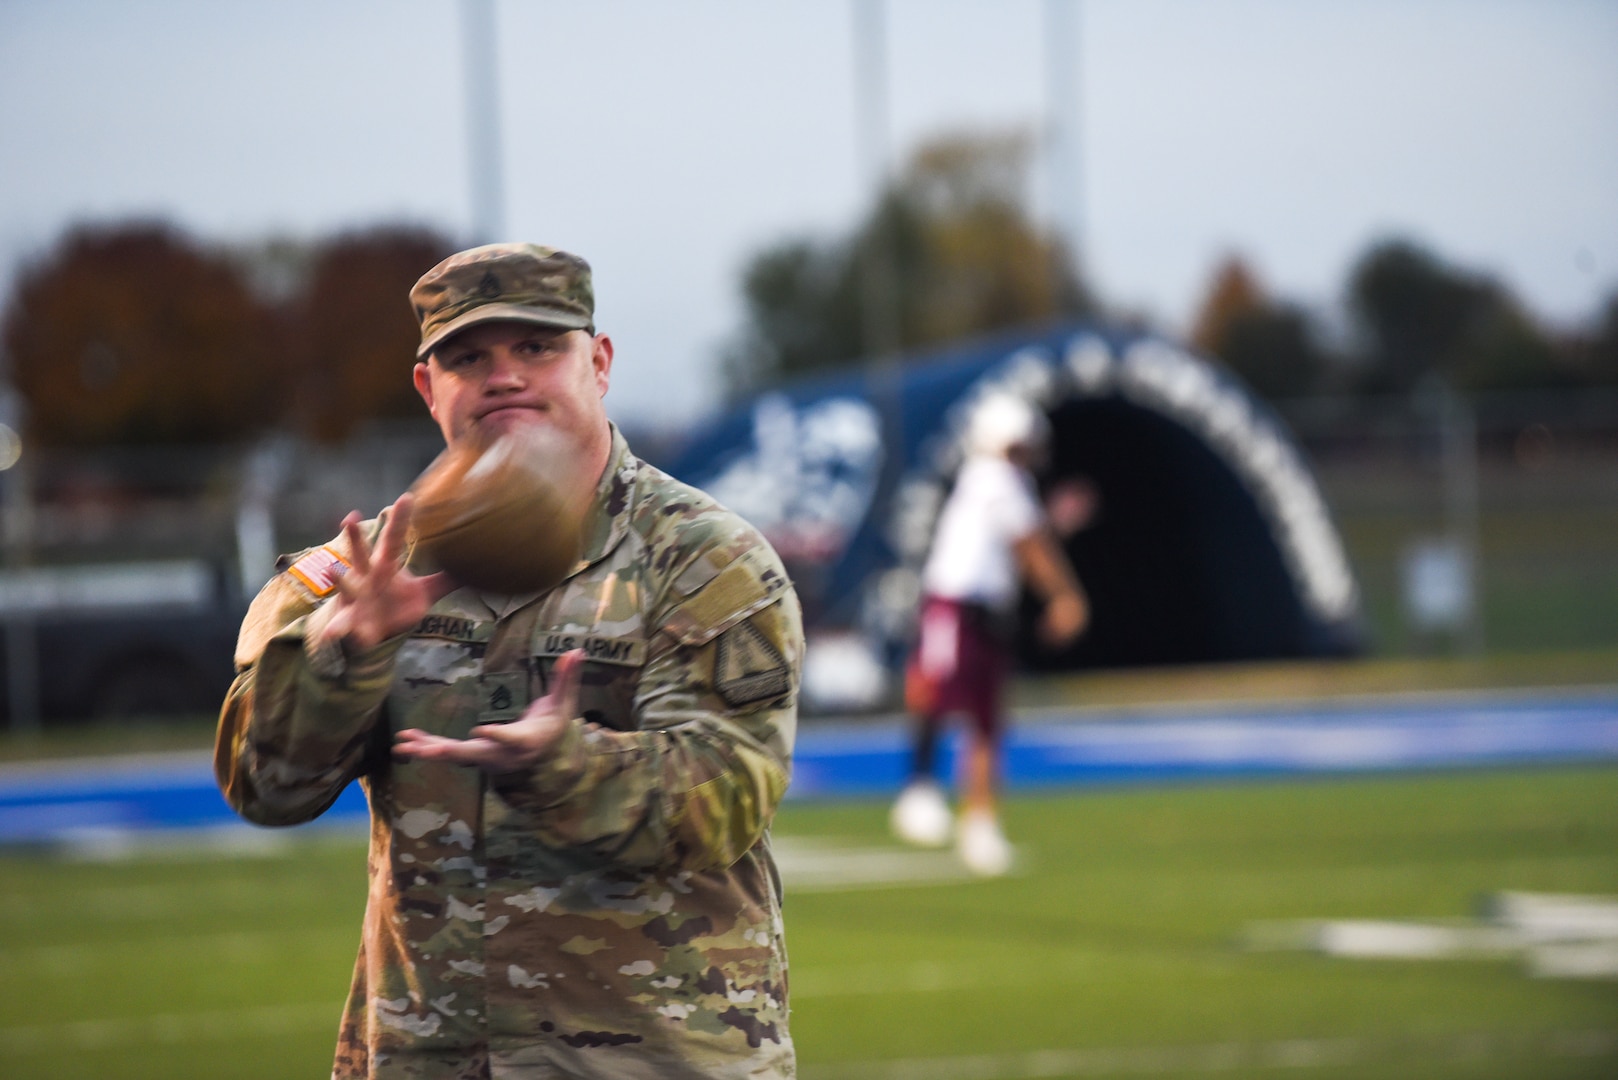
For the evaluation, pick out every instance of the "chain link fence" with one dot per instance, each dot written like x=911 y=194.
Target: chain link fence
x=1474 y=525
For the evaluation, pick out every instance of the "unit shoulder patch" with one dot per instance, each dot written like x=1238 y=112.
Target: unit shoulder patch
x=748 y=668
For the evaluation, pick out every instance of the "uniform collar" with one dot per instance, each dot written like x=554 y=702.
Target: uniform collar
x=608 y=519
x=605 y=524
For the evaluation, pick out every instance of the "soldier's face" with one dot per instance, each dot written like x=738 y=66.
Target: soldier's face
x=495 y=376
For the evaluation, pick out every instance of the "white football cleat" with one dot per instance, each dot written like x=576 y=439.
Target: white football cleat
x=982 y=846
x=921 y=815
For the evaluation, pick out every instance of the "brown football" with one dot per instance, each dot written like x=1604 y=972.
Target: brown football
x=497 y=517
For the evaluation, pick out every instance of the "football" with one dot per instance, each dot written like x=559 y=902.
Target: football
x=498 y=516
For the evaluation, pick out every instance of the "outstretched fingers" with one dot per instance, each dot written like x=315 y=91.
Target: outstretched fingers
x=358 y=552
x=390 y=544
x=420 y=745
x=564 y=696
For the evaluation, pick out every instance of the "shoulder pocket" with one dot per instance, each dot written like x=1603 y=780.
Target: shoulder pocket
x=749 y=584
x=280 y=603
x=301 y=583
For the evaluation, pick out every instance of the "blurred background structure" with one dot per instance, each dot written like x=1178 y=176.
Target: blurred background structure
x=1394 y=225
x=1321 y=299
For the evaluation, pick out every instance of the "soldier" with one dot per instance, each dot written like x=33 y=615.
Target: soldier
x=570 y=791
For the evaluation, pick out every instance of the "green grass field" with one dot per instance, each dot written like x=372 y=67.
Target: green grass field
x=1117 y=950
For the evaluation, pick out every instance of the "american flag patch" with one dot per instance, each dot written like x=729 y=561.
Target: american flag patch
x=319 y=570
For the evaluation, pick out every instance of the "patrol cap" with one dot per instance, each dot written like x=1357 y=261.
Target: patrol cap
x=503 y=282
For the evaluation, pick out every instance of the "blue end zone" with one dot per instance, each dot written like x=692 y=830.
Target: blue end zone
x=54 y=802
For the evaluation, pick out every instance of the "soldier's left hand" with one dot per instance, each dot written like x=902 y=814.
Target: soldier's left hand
x=503 y=748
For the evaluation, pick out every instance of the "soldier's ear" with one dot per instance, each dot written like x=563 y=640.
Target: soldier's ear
x=424 y=383
x=601 y=361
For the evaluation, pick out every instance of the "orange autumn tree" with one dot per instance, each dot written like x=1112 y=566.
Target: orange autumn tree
x=1270 y=344
x=353 y=332
x=134 y=334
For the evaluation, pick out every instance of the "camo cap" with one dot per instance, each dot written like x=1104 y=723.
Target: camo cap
x=515 y=282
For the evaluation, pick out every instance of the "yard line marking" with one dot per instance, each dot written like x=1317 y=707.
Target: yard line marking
x=818 y=865
x=221 y=1025
x=923 y=978
x=72 y=959
x=1223 y=1057
x=1559 y=935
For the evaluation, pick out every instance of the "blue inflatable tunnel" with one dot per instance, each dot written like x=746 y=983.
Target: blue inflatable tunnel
x=1209 y=540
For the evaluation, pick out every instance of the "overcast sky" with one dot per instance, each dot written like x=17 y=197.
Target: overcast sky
x=666 y=141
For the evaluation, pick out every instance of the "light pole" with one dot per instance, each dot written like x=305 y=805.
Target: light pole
x=480 y=54
x=1062 y=99
x=16 y=512
x=879 y=322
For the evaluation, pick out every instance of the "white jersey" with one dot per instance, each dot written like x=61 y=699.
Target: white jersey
x=993 y=506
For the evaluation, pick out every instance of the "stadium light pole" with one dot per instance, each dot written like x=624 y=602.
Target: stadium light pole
x=879 y=292
x=879 y=318
x=1063 y=168
x=16 y=542
x=480 y=55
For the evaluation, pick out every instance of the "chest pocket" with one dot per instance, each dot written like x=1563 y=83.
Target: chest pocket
x=612 y=667
x=438 y=676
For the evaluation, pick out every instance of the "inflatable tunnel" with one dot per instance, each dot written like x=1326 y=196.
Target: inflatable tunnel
x=1205 y=537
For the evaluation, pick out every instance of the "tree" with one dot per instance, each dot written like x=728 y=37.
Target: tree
x=1235 y=292
x=134 y=334
x=964 y=257
x=1593 y=353
x=1271 y=345
x=1421 y=317
x=353 y=333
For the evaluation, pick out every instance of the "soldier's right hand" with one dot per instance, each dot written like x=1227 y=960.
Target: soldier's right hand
x=378 y=598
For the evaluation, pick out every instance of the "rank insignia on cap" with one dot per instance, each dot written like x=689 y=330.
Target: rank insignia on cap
x=319 y=570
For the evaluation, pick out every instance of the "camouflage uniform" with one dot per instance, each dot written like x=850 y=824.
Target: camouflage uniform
x=612 y=912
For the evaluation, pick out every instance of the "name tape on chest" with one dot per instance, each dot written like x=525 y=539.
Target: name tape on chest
x=452 y=628
x=631 y=652
x=319 y=570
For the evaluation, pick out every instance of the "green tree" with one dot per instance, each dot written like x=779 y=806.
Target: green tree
x=134 y=334
x=1271 y=345
x=964 y=257
x=1275 y=350
x=1594 y=353
x=1422 y=317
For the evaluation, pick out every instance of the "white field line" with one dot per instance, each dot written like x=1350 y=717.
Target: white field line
x=232 y=1024
x=200 y=1027
x=1558 y=935
x=807 y=865
x=923 y=978
x=72 y=960
x=1230 y=1057
x=1583 y=960
x=812 y=865
x=223 y=1025
x=149 y=902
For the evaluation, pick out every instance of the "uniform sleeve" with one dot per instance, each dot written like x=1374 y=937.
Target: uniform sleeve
x=698 y=782
x=289 y=741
